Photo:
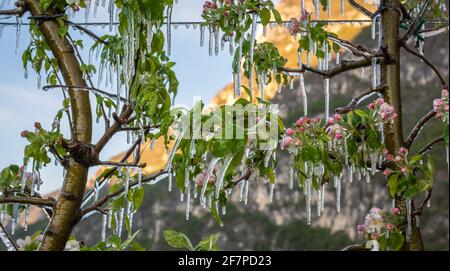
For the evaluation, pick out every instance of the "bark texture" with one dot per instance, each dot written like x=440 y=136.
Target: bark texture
x=67 y=207
x=392 y=95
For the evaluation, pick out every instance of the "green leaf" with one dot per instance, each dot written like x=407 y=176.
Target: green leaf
x=209 y=243
x=177 y=240
x=392 y=182
x=265 y=16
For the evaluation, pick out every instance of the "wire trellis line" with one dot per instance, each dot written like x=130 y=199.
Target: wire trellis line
x=259 y=22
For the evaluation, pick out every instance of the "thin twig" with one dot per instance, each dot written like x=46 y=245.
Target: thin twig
x=336 y=70
x=121 y=164
x=85 y=30
x=419 y=210
x=430 y=145
x=28 y=200
x=426 y=61
x=102 y=201
x=360 y=8
x=94 y=90
x=10 y=239
x=356 y=100
x=416 y=130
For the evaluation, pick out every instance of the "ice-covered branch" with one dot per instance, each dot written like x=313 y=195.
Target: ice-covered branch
x=419 y=209
x=28 y=200
x=85 y=30
x=360 y=8
x=345 y=65
x=93 y=90
x=110 y=172
x=7 y=240
x=122 y=164
x=357 y=99
x=355 y=49
x=98 y=204
x=426 y=61
x=18 y=11
x=111 y=131
x=431 y=144
x=415 y=132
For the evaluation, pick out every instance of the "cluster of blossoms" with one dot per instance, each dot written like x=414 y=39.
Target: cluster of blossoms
x=200 y=178
x=385 y=111
x=440 y=106
x=295 y=26
x=334 y=128
x=208 y=5
x=400 y=161
x=304 y=126
x=379 y=226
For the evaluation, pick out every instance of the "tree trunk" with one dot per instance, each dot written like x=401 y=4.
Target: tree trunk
x=67 y=207
x=392 y=95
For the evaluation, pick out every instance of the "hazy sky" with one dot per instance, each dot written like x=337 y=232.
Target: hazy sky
x=22 y=103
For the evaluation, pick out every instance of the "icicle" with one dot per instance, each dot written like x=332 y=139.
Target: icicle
x=272 y=187
x=188 y=200
x=169 y=30
x=329 y=8
x=104 y=222
x=202 y=35
x=374 y=27
x=380 y=32
x=392 y=203
x=252 y=45
x=291 y=177
x=417 y=221
x=97 y=3
x=303 y=93
x=362 y=72
x=374 y=73
x=342 y=8
x=262 y=84
x=23 y=181
x=39 y=81
x=308 y=201
x=367 y=174
x=350 y=173
x=231 y=47
x=224 y=210
x=291 y=83
x=241 y=190
x=216 y=40
x=18 y=27
x=127 y=182
x=209 y=173
x=87 y=10
x=170 y=179
x=322 y=204
x=211 y=41
x=373 y=162
x=338 y=193
x=327 y=97
x=223 y=170
x=174 y=150
x=110 y=215
x=120 y=225
x=238 y=75
x=139 y=176
x=408 y=219
x=429 y=203
x=246 y=182
x=27 y=217
x=316 y=8
x=338 y=58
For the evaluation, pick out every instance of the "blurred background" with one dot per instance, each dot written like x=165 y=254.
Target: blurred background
x=259 y=226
